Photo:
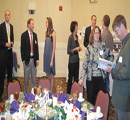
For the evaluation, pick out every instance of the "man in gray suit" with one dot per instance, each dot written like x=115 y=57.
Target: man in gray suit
x=107 y=38
x=29 y=54
x=121 y=73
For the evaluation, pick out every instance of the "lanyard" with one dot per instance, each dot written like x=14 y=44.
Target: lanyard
x=98 y=57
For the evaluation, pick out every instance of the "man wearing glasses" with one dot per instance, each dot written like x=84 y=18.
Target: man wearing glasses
x=121 y=73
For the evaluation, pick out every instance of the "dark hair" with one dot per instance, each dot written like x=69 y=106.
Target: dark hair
x=91 y=37
x=118 y=21
x=72 y=26
x=50 y=27
x=106 y=20
x=93 y=16
x=29 y=21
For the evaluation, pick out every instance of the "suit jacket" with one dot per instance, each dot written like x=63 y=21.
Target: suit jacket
x=4 y=40
x=26 y=47
x=86 y=37
x=4 y=36
x=121 y=78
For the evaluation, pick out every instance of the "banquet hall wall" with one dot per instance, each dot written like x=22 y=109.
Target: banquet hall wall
x=79 y=10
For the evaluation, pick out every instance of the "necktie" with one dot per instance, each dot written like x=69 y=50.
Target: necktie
x=8 y=33
x=31 y=43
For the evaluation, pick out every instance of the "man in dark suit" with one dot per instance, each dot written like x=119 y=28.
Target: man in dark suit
x=6 y=56
x=29 y=54
x=88 y=30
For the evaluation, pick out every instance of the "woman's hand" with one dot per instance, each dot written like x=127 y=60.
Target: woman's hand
x=51 y=64
x=81 y=82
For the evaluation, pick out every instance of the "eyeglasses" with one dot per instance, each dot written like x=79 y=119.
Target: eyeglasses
x=96 y=33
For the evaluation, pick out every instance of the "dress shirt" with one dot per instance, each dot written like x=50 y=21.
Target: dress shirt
x=30 y=40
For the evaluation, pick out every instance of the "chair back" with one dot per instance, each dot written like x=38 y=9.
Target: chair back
x=13 y=87
x=76 y=88
x=44 y=82
x=103 y=100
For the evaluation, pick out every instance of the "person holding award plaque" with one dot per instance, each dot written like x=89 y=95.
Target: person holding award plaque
x=95 y=77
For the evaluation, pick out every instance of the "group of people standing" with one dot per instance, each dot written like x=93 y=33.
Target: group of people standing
x=100 y=45
x=29 y=52
x=97 y=46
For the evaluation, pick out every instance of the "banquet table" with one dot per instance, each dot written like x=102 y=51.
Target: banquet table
x=77 y=104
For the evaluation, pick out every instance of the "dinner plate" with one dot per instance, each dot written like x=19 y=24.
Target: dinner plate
x=80 y=100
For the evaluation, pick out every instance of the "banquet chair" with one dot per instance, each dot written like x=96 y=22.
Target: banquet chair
x=76 y=88
x=44 y=82
x=103 y=100
x=13 y=86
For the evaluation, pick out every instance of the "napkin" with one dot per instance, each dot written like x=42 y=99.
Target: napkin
x=29 y=97
x=14 y=107
x=78 y=105
x=62 y=97
x=2 y=118
x=50 y=95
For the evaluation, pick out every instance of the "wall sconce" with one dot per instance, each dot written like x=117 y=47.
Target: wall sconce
x=31 y=8
x=93 y=1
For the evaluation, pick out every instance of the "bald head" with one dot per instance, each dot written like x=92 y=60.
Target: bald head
x=7 y=16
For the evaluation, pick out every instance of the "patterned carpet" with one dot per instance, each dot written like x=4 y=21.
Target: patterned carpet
x=57 y=81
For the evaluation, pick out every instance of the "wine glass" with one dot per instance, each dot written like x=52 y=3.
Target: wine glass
x=75 y=96
x=38 y=92
x=84 y=109
x=35 y=90
x=7 y=105
x=58 y=90
x=2 y=107
x=16 y=95
x=21 y=96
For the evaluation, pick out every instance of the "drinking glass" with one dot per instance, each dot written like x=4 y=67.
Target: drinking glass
x=40 y=87
x=21 y=96
x=84 y=109
x=2 y=107
x=7 y=105
x=16 y=95
x=74 y=97
x=58 y=90
x=35 y=90
x=38 y=92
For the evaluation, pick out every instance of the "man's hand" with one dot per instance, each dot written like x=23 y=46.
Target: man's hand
x=37 y=63
x=108 y=69
x=9 y=44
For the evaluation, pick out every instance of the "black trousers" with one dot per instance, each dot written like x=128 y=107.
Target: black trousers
x=93 y=87
x=73 y=72
x=6 y=65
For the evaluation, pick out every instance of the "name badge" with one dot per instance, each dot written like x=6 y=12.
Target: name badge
x=35 y=42
x=120 y=59
x=101 y=52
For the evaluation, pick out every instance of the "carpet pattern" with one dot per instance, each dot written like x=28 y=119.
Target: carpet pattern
x=57 y=81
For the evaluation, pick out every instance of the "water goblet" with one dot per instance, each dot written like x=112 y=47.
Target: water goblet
x=58 y=90
x=7 y=105
x=75 y=96
x=21 y=96
x=38 y=92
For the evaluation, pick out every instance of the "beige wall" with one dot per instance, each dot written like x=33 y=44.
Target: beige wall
x=44 y=8
x=82 y=10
